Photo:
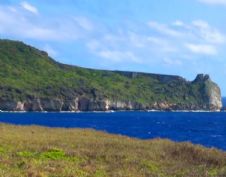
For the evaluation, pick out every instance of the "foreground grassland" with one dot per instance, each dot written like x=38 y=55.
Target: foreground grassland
x=40 y=152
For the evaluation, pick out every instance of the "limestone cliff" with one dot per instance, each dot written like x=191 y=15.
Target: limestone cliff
x=211 y=92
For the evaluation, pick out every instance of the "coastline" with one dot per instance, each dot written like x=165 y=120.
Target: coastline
x=115 y=111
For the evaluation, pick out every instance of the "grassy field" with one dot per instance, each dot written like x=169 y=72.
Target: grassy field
x=41 y=152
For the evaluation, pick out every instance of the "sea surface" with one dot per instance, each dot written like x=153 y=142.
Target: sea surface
x=205 y=128
x=224 y=102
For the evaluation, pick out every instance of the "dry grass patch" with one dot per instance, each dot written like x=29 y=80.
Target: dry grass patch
x=46 y=152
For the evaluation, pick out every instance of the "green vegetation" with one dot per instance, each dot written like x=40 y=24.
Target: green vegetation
x=28 y=73
x=45 y=152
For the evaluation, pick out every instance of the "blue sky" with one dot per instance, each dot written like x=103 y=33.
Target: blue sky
x=179 y=37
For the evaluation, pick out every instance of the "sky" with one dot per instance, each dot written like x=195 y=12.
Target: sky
x=176 y=37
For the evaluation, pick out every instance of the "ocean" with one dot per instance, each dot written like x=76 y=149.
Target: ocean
x=204 y=128
x=224 y=101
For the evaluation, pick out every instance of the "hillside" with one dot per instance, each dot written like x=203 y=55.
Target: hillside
x=32 y=81
x=41 y=152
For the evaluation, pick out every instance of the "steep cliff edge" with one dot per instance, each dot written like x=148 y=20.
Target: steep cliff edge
x=210 y=91
x=31 y=81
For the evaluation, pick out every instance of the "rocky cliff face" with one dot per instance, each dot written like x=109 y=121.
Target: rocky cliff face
x=210 y=94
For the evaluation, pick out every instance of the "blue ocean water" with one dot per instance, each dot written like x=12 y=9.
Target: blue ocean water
x=205 y=128
x=224 y=101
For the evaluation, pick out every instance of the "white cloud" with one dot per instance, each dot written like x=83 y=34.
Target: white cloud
x=15 y=22
x=162 y=28
x=162 y=44
x=200 y=24
x=178 y=23
x=192 y=34
x=202 y=49
x=29 y=7
x=214 y=2
x=84 y=23
x=208 y=33
x=129 y=47
x=198 y=29
x=169 y=41
x=114 y=54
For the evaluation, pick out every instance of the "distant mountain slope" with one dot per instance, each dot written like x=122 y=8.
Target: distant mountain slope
x=31 y=81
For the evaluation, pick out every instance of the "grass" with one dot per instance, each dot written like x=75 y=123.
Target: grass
x=46 y=152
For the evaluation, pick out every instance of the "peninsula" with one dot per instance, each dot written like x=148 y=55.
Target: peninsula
x=30 y=80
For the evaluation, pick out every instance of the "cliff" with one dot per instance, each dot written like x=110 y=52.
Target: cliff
x=32 y=81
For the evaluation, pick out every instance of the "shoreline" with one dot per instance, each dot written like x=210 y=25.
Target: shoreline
x=116 y=111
